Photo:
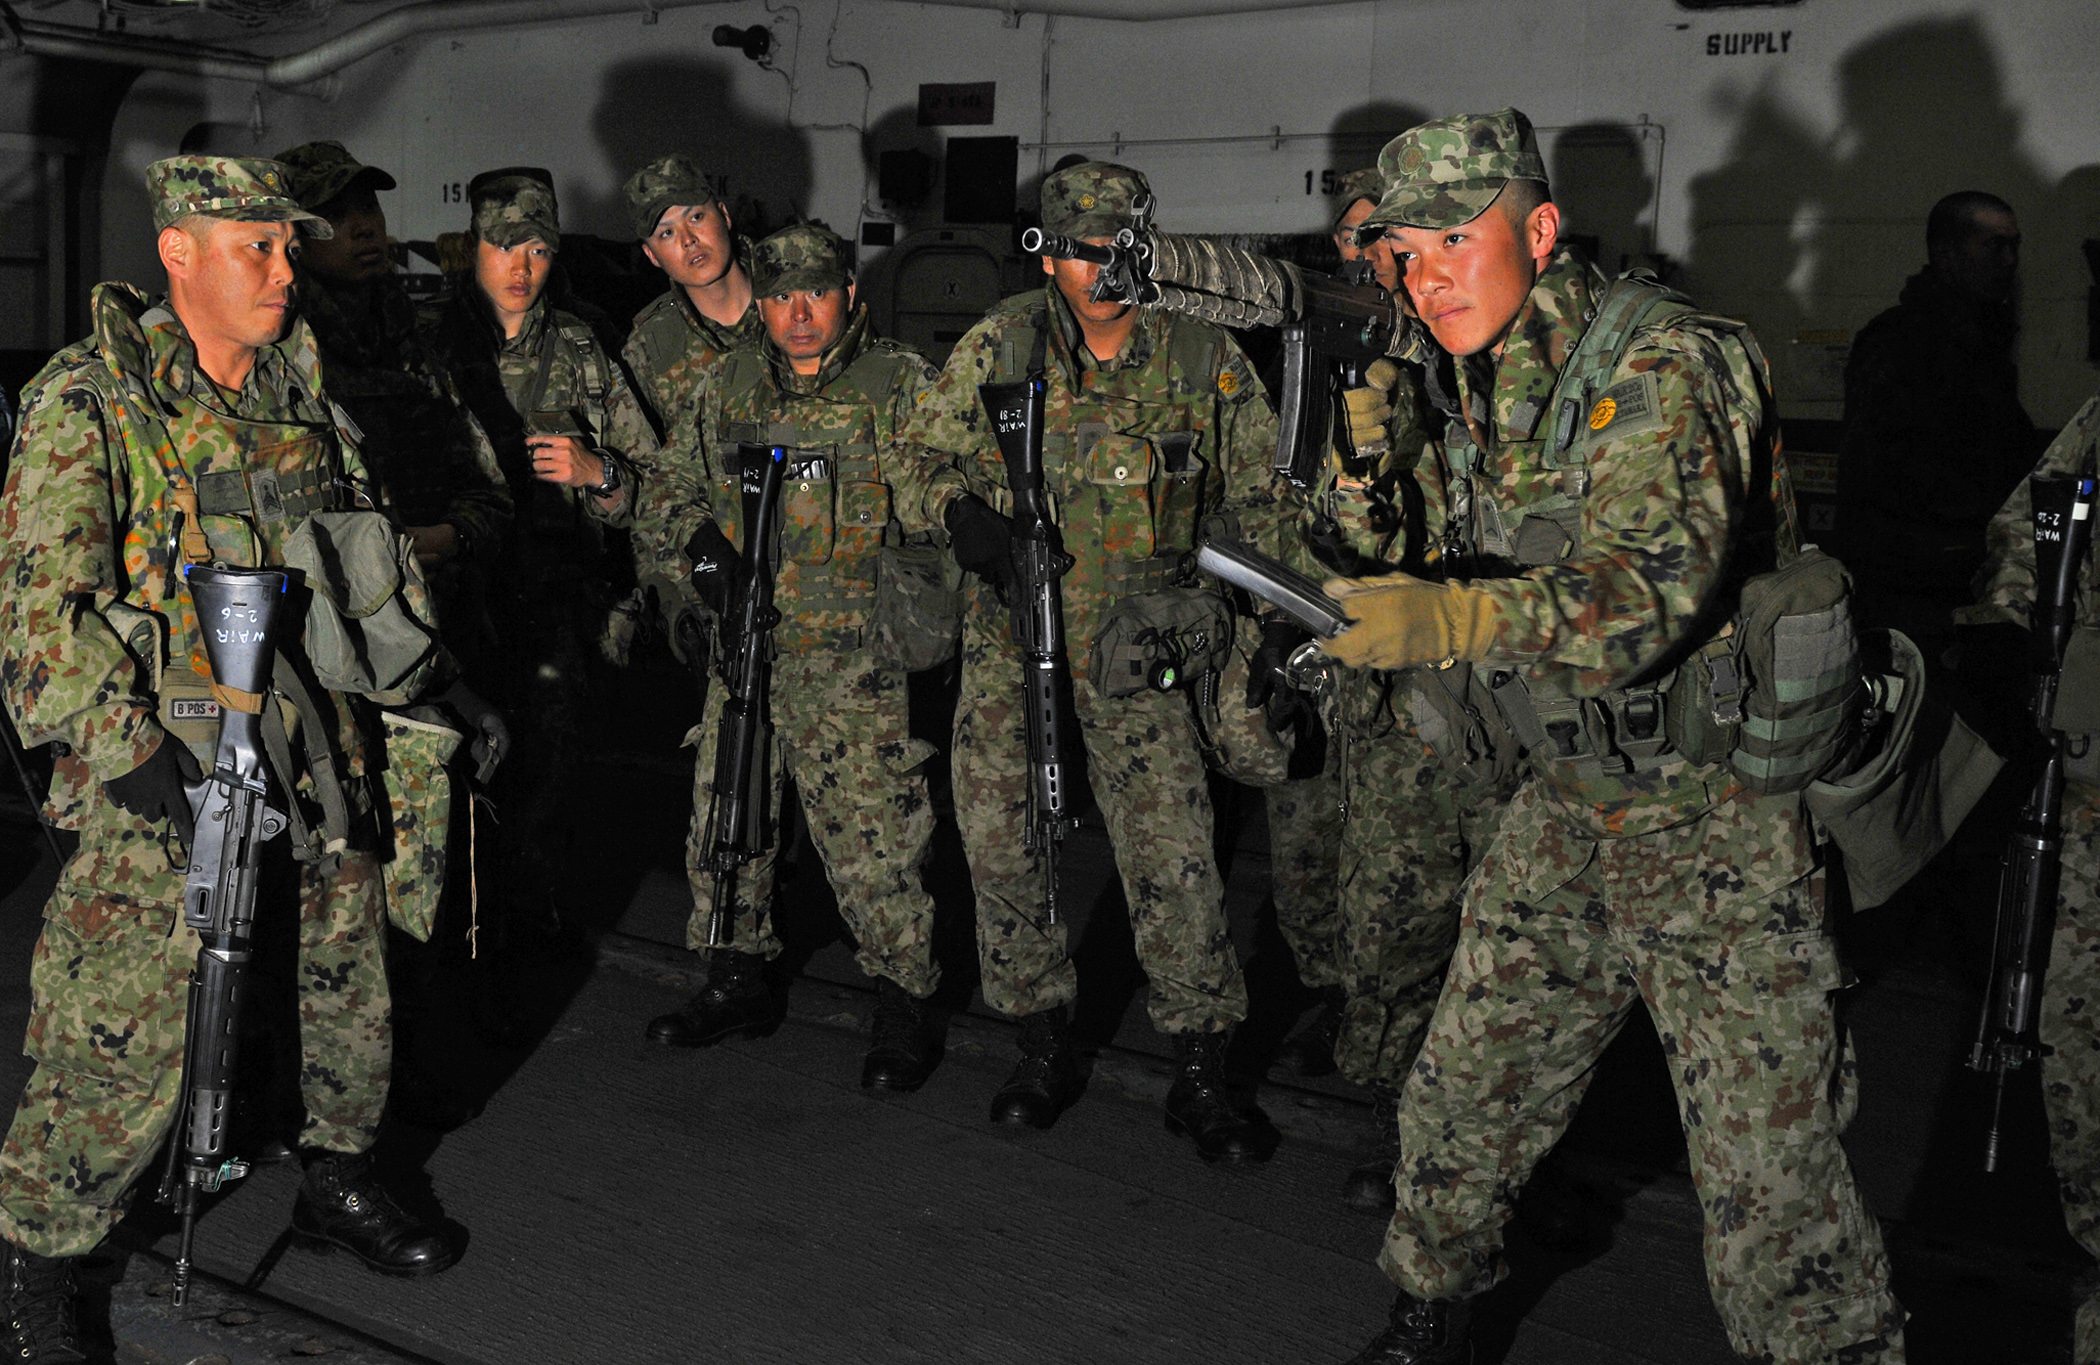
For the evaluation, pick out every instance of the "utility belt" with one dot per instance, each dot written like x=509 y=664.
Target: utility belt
x=269 y=495
x=1778 y=695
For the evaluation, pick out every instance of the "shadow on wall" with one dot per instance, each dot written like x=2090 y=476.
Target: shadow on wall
x=654 y=105
x=1600 y=180
x=1814 y=235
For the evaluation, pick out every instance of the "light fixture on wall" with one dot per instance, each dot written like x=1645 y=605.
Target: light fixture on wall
x=755 y=41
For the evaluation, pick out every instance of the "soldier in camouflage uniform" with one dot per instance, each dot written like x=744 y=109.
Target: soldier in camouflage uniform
x=1153 y=422
x=2070 y=1028
x=681 y=337
x=209 y=401
x=573 y=444
x=825 y=386
x=1305 y=814
x=436 y=472
x=1595 y=540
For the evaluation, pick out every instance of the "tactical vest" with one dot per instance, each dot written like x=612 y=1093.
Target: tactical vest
x=836 y=505
x=207 y=487
x=1536 y=520
x=1130 y=479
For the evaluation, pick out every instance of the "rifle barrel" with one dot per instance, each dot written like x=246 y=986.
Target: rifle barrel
x=1036 y=242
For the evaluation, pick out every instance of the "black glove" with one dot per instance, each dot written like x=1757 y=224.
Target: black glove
x=1266 y=671
x=485 y=723
x=716 y=567
x=155 y=790
x=981 y=539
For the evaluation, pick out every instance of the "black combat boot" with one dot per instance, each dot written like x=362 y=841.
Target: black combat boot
x=1310 y=1051
x=41 y=1329
x=905 y=1048
x=1369 y=1185
x=1047 y=1080
x=1423 y=1332
x=738 y=999
x=341 y=1203
x=1201 y=1109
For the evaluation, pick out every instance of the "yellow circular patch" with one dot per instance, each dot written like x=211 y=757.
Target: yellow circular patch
x=1601 y=415
x=1411 y=159
x=1086 y=201
x=1228 y=383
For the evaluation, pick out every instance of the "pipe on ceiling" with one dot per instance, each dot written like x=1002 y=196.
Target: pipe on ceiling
x=304 y=72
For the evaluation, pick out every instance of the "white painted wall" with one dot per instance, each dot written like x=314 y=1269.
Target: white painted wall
x=1790 y=185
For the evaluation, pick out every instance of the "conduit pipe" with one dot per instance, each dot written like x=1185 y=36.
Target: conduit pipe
x=301 y=71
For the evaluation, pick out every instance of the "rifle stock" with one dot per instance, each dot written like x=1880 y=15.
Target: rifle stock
x=237 y=611
x=2008 y=1032
x=1016 y=410
x=737 y=814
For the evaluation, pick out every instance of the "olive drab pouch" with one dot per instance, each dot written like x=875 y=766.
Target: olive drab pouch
x=1453 y=710
x=369 y=629
x=1183 y=486
x=1159 y=641
x=2077 y=709
x=1781 y=695
x=1920 y=772
x=419 y=805
x=917 y=622
x=809 y=506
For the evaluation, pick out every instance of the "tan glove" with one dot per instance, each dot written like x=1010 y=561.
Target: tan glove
x=1371 y=409
x=1402 y=621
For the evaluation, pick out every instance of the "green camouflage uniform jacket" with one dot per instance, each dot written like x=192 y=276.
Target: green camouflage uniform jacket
x=1604 y=566
x=847 y=416
x=1137 y=450
x=2008 y=585
x=92 y=613
x=433 y=463
x=673 y=348
x=584 y=391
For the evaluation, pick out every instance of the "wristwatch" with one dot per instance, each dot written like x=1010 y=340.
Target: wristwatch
x=611 y=485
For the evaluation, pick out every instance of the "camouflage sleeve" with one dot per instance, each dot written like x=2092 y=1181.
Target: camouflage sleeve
x=945 y=447
x=64 y=670
x=625 y=434
x=1666 y=491
x=634 y=358
x=2008 y=574
x=1245 y=427
x=674 y=500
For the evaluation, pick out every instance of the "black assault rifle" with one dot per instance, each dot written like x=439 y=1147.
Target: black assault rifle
x=1333 y=326
x=1038 y=615
x=737 y=810
x=237 y=612
x=2008 y=1033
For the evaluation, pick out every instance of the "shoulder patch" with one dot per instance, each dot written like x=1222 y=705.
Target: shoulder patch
x=1629 y=406
x=1234 y=378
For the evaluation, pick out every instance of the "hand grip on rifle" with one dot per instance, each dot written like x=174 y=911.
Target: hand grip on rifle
x=715 y=567
x=981 y=540
x=159 y=789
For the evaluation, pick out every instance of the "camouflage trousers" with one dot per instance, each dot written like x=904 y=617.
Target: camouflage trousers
x=110 y=985
x=1717 y=925
x=842 y=732
x=1370 y=902
x=2070 y=1026
x=1148 y=777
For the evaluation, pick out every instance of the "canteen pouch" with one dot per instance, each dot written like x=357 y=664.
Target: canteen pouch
x=917 y=622
x=369 y=629
x=1923 y=770
x=1156 y=641
x=419 y=804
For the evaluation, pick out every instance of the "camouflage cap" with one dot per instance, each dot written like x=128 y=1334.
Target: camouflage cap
x=243 y=189
x=511 y=209
x=319 y=171
x=805 y=256
x=1092 y=199
x=1445 y=173
x=1368 y=183
x=668 y=180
